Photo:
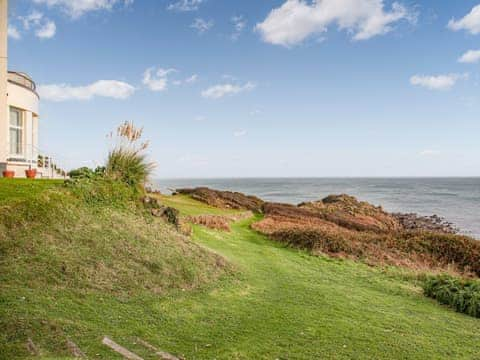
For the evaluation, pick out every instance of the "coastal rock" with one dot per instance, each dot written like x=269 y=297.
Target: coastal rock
x=348 y=212
x=433 y=223
x=224 y=199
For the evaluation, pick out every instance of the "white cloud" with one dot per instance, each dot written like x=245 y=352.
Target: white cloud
x=470 y=22
x=14 y=33
x=77 y=8
x=429 y=152
x=103 y=88
x=219 y=91
x=42 y=27
x=33 y=19
x=239 y=24
x=202 y=25
x=157 y=79
x=296 y=20
x=46 y=31
x=470 y=57
x=185 y=5
x=200 y=118
x=192 y=79
x=437 y=82
x=240 y=133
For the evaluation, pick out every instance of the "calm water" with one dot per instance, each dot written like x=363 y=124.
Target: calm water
x=456 y=199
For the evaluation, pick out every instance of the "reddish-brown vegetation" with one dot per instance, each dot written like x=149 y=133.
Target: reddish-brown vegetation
x=218 y=222
x=341 y=226
x=224 y=199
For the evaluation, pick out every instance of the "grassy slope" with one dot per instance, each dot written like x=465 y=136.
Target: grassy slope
x=69 y=270
x=282 y=303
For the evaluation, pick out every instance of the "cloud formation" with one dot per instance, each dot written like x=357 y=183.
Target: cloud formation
x=202 y=25
x=185 y=5
x=239 y=24
x=42 y=27
x=297 y=20
x=222 y=90
x=470 y=57
x=77 y=8
x=240 y=133
x=103 y=88
x=14 y=33
x=156 y=79
x=469 y=23
x=437 y=82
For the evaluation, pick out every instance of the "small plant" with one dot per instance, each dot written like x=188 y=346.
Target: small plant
x=127 y=161
x=462 y=295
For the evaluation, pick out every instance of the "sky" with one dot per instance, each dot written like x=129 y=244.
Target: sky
x=270 y=88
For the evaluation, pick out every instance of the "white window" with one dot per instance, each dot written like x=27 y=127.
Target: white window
x=17 y=125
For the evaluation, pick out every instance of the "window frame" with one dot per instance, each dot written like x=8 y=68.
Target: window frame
x=21 y=128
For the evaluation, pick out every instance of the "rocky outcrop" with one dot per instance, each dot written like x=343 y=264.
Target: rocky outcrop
x=224 y=199
x=433 y=223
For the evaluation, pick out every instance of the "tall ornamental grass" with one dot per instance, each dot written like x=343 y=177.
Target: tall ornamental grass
x=127 y=160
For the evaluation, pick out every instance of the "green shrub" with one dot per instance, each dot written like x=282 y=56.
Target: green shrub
x=103 y=191
x=462 y=295
x=127 y=161
x=86 y=173
x=129 y=167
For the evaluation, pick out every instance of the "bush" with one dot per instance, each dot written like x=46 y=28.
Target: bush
x=462 y=295
x=103 y=191
x=86 y=173
x=127 y=161
x=129 y=167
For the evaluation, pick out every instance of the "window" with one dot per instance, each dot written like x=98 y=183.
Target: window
x=16 y=132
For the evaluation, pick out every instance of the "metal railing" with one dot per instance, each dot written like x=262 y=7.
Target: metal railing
x=22 y=80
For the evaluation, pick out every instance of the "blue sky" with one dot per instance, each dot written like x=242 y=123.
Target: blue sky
x=259 y=88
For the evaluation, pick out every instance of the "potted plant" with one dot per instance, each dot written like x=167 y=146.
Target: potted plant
x=9 y=174
x=31 y=173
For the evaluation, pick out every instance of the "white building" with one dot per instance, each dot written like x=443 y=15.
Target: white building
x=19 y=119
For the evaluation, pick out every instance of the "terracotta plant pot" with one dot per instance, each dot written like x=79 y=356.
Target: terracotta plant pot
x=31 y=174
x=8 y=174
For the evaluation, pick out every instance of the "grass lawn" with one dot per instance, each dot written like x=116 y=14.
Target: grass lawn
x=18 y=189
x=280 y=304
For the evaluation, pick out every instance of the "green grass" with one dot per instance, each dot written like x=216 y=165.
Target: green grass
x=21 y=189
x=190 y=207
x=279 y=304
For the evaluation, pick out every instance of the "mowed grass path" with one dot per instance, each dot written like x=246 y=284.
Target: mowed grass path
x=287 y=304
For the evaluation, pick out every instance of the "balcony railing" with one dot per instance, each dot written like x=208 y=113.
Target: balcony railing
x=22 y=80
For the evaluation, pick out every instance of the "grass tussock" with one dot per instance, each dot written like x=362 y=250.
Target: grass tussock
x=127 y=162
x=460 y=294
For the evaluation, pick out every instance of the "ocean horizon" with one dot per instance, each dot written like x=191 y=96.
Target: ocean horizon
x=456 y=199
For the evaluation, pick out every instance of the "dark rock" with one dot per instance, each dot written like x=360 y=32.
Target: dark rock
x=433 y=223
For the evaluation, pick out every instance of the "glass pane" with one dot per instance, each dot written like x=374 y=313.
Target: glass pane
x=16 y=143
x=13 y=142
x=15 y=118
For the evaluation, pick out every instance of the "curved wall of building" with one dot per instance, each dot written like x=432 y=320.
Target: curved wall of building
x=22 y=98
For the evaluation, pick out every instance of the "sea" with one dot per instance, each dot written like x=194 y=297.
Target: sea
x=455 y=199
